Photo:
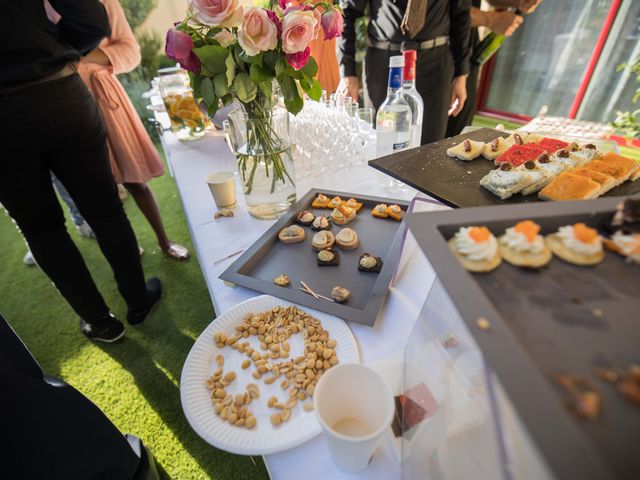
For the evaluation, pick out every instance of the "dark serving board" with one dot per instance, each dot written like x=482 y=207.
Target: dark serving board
x=454 y=182
x=543 y=323
x=268 y=258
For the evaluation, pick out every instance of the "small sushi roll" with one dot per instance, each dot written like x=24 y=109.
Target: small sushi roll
x=369 y=263
x=328 y=258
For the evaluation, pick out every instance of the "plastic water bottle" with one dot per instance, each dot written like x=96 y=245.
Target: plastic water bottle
x=412 y=97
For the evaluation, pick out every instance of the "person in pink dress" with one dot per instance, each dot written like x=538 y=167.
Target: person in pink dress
x=134 y=158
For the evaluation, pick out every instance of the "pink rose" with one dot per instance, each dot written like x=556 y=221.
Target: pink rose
x=298 y=29
x=223 y=13
x=299 y=59
x=257 y=33
x=273 y=16
x=225 y=38
x=178 y=47
x=332 y=23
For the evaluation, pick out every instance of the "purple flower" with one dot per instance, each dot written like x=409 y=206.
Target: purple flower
x=299 y=59
x=178 y=47
x=283 y=4
x=273 y=16
x=332 y=23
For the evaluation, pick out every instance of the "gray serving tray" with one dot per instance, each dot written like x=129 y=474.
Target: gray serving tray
x=454 y=182
x=268 y=257
x=542 y=323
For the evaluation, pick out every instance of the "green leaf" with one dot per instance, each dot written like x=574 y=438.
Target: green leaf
x=258 y=74
x=312 y=87
x=237 y=54
x=252 y=60
x=213 y=57
x=266 y=88
x=245 y=88
x=281 y=66
x=212 y=109
x=208 y=94
x=311 y=68
x=292 y=99
x=231 y=70
x=220 y=85
x=270 y=58
x=196 y=81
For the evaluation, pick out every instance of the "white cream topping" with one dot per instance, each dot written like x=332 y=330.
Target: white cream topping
x=520 y=243
x=474 y=251
x=570 y=241
x=367 y=261
x=346 y=235
x=629 y=245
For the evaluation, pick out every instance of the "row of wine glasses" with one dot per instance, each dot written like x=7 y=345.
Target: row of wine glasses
x=331 y=134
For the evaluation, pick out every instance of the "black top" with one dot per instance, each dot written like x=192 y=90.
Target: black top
x=31 y=47
x=444 y=17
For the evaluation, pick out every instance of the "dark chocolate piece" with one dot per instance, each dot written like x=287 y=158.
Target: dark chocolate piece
x=374 y=267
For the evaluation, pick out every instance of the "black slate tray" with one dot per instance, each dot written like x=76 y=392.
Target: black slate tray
x=455 y=182
x=543 y=323
x=268 y=257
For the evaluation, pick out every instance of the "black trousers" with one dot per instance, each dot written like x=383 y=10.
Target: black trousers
x=56 y=126
x=434 y=71
x=465 y=117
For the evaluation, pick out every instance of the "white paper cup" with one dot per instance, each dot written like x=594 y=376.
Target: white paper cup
x=223 y=188
x=355 y=407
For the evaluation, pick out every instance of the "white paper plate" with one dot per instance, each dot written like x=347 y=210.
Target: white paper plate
x=200 y=365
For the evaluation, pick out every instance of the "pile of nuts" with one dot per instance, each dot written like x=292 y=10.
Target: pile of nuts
x=298 y=376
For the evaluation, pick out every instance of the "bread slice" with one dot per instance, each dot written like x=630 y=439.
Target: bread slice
x=607 y=182
x=494 y=148
x=505 y=183
x=347 y=239
x=291 y=234
x=627 y=166
x=533 y=138
x=525 y=259
x=550 y=171
x=618 y=172
x=555 y=244
x=482 y=266
x=467 y=150
x=583 y=156
x=569 y=186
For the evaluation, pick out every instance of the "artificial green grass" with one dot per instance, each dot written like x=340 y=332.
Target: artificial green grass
x=135 y=381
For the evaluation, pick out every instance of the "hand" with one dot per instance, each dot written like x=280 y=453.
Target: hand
x=504 y=23
x=349 y=87
x=458 y=95
x=528 y=6
x=96 y=56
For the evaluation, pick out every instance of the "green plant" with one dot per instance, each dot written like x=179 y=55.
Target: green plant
x=150 y=44
x=629 y=122
x=137 y=11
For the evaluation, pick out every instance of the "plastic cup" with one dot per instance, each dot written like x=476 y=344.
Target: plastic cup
x=223 y=188
x=355 y=407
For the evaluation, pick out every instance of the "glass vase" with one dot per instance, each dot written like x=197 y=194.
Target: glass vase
x=262 y=146
x=187 y=120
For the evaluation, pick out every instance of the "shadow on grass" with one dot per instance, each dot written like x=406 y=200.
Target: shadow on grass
x=152 y=371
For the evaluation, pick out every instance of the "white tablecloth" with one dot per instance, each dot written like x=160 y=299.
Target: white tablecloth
x=214 y=239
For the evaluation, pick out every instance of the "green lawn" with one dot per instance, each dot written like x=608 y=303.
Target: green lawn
x=135 y=381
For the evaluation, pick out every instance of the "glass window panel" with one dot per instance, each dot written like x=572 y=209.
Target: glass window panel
x=542 y=64
x=610 y=91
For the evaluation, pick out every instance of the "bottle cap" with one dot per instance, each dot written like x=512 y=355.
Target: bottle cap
x=397 y=61
x=410 y=56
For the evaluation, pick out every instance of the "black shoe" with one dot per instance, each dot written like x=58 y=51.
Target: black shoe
x=154 y=292
x=108 y=330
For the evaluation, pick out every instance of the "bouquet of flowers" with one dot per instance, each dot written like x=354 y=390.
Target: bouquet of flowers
x=234 y=53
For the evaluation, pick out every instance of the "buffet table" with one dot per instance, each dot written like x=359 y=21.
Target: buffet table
x=213 y=240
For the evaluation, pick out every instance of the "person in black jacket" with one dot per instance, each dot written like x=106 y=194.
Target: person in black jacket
x=49 y=122
x=438 y=29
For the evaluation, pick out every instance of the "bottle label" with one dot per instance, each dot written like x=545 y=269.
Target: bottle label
x=409 y=71
x=400 y=145
x=395 y=77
